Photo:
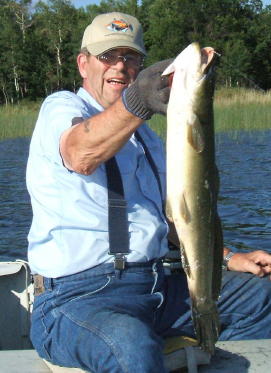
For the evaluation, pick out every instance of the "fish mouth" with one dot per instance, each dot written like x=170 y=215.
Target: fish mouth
x=170 y=79
x=208 y=58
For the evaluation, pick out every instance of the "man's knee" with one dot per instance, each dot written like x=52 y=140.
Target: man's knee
x=131 y=346
x=245 y=307
x=118 y=343
x=130 y=350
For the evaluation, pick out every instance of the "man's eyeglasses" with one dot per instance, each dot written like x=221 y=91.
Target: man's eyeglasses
x=131 y=60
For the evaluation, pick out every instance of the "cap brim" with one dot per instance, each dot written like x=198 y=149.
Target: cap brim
x=99 y=48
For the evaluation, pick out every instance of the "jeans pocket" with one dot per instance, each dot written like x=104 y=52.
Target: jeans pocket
x=89 y=287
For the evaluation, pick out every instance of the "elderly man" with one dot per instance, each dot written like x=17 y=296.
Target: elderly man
x=96 y=177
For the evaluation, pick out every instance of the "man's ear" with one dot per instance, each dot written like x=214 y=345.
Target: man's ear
x=82 y=59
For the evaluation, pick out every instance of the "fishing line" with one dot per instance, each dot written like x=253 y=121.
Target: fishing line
x=240 y=73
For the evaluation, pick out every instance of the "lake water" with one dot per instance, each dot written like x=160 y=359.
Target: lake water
x=244 y=203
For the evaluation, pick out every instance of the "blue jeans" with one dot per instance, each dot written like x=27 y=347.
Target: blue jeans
x=102 y=320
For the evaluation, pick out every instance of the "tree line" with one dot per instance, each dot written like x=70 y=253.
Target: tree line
x=39 y=44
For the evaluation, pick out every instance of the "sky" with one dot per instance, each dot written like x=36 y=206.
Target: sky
x=79 y=3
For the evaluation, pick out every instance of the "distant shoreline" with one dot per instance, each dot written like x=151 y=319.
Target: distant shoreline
x=234 y=109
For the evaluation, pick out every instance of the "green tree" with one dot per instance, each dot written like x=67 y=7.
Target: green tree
x=259 y=36
x=57 y=22
x=40 y=45
x=15 y=22
x=166 y=28
x=235 y=64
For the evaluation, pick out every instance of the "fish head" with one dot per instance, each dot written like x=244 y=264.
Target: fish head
x=192 y=61
x=191 y=55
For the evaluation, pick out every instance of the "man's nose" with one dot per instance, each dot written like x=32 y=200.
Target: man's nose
x=120 y=63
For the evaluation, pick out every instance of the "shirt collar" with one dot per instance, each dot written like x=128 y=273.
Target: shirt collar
x=89 y=99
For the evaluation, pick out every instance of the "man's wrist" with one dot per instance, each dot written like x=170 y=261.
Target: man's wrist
x=226 y=259
x=133 y=103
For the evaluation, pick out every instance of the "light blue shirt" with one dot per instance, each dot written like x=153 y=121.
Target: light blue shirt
x=69 y=231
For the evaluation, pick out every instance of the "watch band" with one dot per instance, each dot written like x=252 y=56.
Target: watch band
x=226 y=259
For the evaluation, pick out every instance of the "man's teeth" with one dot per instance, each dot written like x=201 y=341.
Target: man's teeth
x=116 y=81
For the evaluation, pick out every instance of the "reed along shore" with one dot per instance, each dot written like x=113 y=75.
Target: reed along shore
x=234 y=109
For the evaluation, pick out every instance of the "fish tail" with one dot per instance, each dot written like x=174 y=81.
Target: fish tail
x=207 y=329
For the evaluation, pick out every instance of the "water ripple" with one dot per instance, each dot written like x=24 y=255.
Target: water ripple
x=244 y=200
x=245 y=192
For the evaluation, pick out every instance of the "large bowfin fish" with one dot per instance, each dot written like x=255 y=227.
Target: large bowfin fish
x=192 y=184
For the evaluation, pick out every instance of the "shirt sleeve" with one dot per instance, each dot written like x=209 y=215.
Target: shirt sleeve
x=55 y=117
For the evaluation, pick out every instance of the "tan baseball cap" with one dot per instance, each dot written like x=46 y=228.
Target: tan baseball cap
x=113 y=30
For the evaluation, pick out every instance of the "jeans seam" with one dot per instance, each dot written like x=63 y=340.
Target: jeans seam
x=101 y=335
x=155 y=274
x=43 y=318
x=161 y=299
x=48 y=357
x=92 y=292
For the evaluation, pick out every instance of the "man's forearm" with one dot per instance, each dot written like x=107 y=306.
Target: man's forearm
x=86 y=145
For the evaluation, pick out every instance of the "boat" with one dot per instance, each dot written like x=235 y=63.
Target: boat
x=17 y=354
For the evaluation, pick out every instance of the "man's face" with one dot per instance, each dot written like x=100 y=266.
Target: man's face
x=105 y=77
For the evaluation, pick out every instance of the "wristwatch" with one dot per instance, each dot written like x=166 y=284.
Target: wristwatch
x=226 y=259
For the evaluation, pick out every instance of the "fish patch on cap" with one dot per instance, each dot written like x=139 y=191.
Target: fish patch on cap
x=113 y=30
x=119 y=25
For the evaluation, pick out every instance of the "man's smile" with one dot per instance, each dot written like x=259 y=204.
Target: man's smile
x=117 y=82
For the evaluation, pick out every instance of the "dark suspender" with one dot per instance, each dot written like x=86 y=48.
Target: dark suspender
x=117 y=207
x=117 y=214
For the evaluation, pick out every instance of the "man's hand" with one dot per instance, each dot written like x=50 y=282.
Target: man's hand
x=149 y=93
x=257 y=262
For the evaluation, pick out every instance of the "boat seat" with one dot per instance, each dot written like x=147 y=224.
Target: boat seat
x=17 y=298
x=179 y=352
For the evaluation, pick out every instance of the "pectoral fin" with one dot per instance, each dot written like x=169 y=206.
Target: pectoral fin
x=185 y=214
x=195 y=134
